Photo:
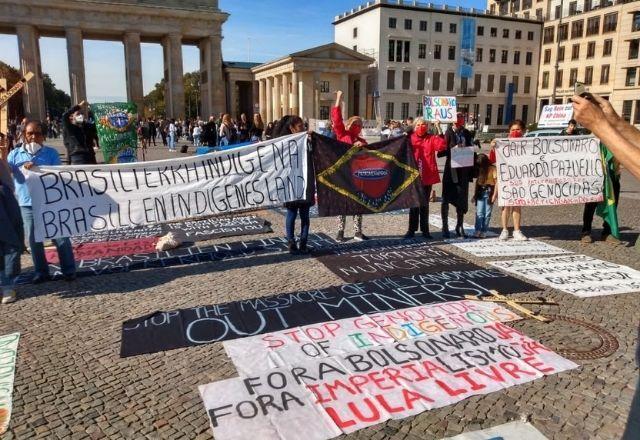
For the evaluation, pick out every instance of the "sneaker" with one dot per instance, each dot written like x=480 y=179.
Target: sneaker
x=8 y=296
x=360 y=237
x=586 y=238
x=504 y=235
x=409 y=235
x=340 y=236
x=519 y=236
x=302 y=248
x=293 y=248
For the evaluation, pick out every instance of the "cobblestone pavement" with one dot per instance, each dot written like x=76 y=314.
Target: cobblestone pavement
x=72 y=384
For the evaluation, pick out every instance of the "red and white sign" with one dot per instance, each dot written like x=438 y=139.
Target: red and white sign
x=555 y=116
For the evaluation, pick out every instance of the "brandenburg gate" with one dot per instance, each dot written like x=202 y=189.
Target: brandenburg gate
x=171 y=23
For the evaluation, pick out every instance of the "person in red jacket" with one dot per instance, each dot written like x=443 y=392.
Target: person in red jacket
x=425 y=146
x=349 y=134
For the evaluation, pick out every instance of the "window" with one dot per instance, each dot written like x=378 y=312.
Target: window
x=593 y=26
x=492 y=55
x=548 y=35
x=480 y=31
x=406 y=80
x=563 y=32
x=502 y=87
x=436 y=81
x=636 y=118
x=438 y=26
x=396 y=51
x=635 y=25
x=392 y=50
x=512 y=114
x=452 y=53
x=453 y=28
x=559 y=78
x=591 y=49
x=391 y=79
x=421 y=79
x=607 y=48
x=404 y=110
x=324 y=112
x=527 y=85
x=515 y=81
x=588 y=75
x=558 y=12
x=437 y=51
x=487 y=115
x=422 y=51
x=518 y=35
x=477 y=82
x=530 y=35
x=630 y=80
x=539 y=14
x=634 y=46
x=575 y=52
x=573 y=77
x=588 y=5
x=529 y=59
x=408 y=24
x=355 y=47
x=573 y=8
x=500 y=119
x=494 y=32
x=325 y=87
x=407 y=51
x=505 y=56
x=526 y=4
x=419 y=109
x=626 y=110
x=423 y=25
x=577 y=29
x=479 y=55
x=389 y=112
x=392 y=22
x=547 y=56
x=560 y=54
x=450 y=81
x=604 y=74
x=610 y=22
x=355 y=32
x=516 y=57
x=545 y=80
x=490 y=81
x=505 y=33
x=525 y=113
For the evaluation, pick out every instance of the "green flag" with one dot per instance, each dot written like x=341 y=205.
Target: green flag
x=116 y=125
x=608 y=209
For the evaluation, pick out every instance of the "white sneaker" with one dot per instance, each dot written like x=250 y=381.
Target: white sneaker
x=8 y=296
x=519 y=236
x=504 y=235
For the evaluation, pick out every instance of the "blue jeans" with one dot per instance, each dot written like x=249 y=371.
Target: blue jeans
x=63 y=245
x=9 y=264
x=292 y=213
x=196 y=140
x=172 y=141
x=483 y=211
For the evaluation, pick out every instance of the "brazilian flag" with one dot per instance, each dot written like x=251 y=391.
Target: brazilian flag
x=608 y=209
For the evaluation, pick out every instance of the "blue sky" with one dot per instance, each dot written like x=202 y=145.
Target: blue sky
x=255 y=31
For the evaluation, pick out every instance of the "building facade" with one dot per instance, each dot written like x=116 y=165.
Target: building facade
x=595 y=42
x=417 y=49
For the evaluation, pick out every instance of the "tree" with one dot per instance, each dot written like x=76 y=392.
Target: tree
x=154 y=101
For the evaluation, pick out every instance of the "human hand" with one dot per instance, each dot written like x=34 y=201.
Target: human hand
x=357 y=144
x=493 y=144
x=28 y=165
x=607 y=109
x=589 y=114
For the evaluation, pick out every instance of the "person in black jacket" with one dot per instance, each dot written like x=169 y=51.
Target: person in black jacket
x=209 y=136
x=78 y=137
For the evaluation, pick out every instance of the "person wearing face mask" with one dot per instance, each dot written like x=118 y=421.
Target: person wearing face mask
x=349 y=134
x=78 y=137
x=425 y=146
x=516 y=130
x=33 y=153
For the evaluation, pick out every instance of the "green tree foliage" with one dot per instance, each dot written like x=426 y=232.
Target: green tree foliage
x=155 y=104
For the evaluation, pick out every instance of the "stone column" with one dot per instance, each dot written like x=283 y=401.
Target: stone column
x=75 y=57
x=233 y=99
x=255 y=98
x=268 y=100
x=174 y=89
x=285 y=95
x=29 y=52
x=344 y=86
x=295 y=98
x=277 y=99
x=362 y=102
x=133 y=69
x=261 y=100
x=212 y=89
x=316 y=94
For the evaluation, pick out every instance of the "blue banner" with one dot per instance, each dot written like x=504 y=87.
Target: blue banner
x=508 y=116
x=467 y=47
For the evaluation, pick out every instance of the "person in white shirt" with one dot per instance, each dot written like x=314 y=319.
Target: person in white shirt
x=197 y=132
x=172 y=135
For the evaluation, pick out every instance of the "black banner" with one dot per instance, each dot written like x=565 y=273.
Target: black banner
x=162 y=331
x=357 y=180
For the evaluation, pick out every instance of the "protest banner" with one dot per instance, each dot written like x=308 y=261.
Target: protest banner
x=120 y=234
x=74 y=200
x=462 y=157
x=387 y=261
x=210 y=228
x=106 y=249
x=579 y=275
x=116 y=126
x=436 y=221
x=440 y=108
x=168 y=330
x=254 y=354
x=549 y=171
x=508 y=431
x=8 y=357
x=356 y=180
x=371 y=385
x=555 y=116
x=499 y=248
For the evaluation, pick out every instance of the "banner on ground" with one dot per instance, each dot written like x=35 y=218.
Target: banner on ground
x=116 y=126
x=74 y=200
x=555 y=116
x=494 y=247
x=344 y=393
x=357 y=180
x=217 y=227
x=331 y=338
x=508 y=431
x=440 y=108
x=106 y=249
x=549 y=171
x=579 y=275
x=195 y=326
x=8 y=357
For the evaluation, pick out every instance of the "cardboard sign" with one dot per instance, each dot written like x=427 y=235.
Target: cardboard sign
x=462 y=157
x=511 y=248
x=549 y=171
x=210 y=228
x=8 y=357
x=579 y=275
x=440 y=108
x=555 y=116
x=508 y=431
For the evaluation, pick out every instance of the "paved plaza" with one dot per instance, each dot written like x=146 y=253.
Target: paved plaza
x=71 y=382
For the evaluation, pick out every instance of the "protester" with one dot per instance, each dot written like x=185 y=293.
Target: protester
x=11 y=233
x=268 y=131
x=425 y=146
x=516 y=130
x=572 y=129
x=484 y=195
x=33 y=153
x=172 y=130
x=349 y=134
x=257 y=129
x=197 y=132
x=244 y=127
x=209 y=135
x=164 y=131
x=78 y=137
x=228 y=133
x=153 y=132
x=328 y=130
x=455 y=181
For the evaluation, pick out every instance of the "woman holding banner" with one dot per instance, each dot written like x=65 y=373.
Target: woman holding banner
x=425 y=146
x=349 y=134
x=516 y=130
